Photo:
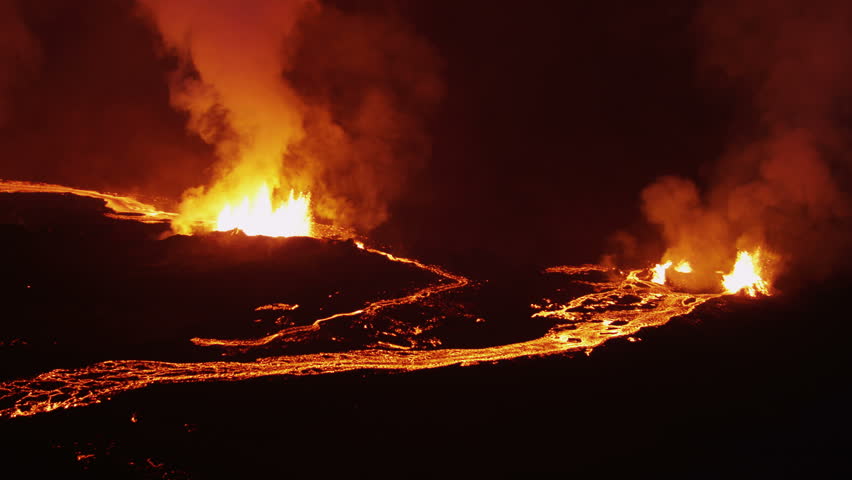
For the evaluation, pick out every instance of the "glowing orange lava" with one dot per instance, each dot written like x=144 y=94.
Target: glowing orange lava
x=126 y=208
x=256 y=216
x=618 y=306
x=747 y=275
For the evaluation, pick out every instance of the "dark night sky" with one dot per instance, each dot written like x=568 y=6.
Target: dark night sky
x=556 y=115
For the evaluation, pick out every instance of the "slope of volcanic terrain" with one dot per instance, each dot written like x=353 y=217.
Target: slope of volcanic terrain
x=149 y=331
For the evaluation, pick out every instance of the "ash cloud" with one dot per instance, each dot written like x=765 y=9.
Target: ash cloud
x=784 y=179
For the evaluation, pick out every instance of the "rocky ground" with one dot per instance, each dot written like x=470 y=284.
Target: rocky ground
x=740 y=386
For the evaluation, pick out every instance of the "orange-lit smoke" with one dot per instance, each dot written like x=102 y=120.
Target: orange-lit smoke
x=781 y=184
x=368 y=84
x=230 y=83
x=297 y=95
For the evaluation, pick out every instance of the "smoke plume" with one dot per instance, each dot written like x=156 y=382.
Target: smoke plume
x=367 y=84
x=297 y=95
x=782 y=182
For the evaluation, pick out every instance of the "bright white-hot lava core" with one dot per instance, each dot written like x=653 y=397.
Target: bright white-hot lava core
x=683 y=267
x=659 y=273
x=746 y=275
x=257 y=216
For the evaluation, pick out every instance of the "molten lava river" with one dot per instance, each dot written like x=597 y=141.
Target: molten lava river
x=406 y=325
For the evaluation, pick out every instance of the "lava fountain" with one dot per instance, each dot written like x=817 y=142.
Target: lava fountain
x=747 y=275
x=257 y=216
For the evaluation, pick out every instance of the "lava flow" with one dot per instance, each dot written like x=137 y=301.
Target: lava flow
x=617 y=308
x=455 y=281
x=123 y=207
x=618 y=304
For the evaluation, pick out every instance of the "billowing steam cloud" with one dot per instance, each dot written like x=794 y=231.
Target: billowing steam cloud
x=782 y=183
x=297 y=95
x=19 y=53
x=367 y=84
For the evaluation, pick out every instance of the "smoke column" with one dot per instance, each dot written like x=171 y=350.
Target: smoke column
x=294 y=94
x=230 y=83
x=369 y=85
x=783 y=180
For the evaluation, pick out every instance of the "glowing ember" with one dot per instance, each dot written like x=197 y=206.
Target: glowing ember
x=660 y=273
x=683 y=267
x=257 y=216
x=746 y=275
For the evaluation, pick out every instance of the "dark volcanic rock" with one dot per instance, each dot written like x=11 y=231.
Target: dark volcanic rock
x=741 y=385
x=78 y=287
